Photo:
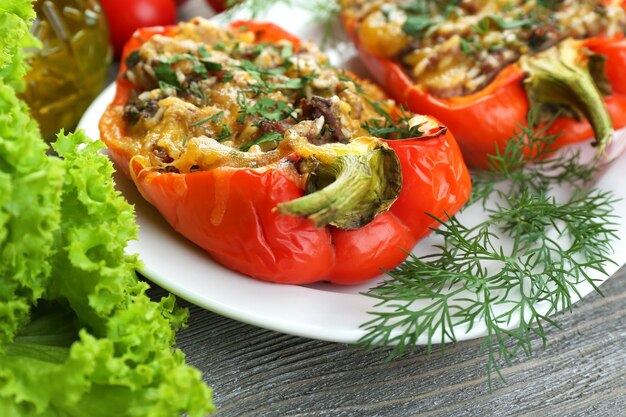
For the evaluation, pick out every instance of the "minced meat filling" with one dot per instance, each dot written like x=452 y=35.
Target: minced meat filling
x=457 y=47
x=211 y=97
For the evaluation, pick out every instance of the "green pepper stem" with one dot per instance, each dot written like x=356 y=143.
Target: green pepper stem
x=351 y=191
x=561 y=76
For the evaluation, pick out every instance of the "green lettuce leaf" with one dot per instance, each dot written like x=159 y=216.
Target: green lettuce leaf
x=95 y=333
x=30 y=185
x=78 y=334
x=30 y=193
x=15 y=17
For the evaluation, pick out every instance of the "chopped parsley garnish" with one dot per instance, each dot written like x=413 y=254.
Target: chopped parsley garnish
x=178 y=58
x=257 y=72
x=196 y=91
x=424 y=14
x=482 y=27
x=212 y=66
x=165 y=87
x=268 y=137
x=220 y=46
x=295 y=83
x=165 y=74
x=265 y=108
x=133 y=59
x=549 y=4
x=216 y=118
x=168 y=79
x=287 y=52
x=399 y=129
x=417 y=7
x=389 y=127
x=416 y=25
x=225 y=134
x=200 y=69
x=506 y=24
x=204 y=53
x=468 y=46
x=260 y=75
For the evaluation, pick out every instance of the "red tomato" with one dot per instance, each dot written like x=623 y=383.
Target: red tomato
x=125 y=17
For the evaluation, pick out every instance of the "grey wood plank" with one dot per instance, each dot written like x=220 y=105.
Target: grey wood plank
x=259 y=372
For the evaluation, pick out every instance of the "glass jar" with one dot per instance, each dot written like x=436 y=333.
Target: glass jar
x=72 y=66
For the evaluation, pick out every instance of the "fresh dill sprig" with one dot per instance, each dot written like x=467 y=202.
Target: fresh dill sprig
x=326 y=14
x=509 y=286
x=528 y=161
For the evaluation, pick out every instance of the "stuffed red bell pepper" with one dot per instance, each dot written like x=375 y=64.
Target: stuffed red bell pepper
x=252 y=146
x=478 y=66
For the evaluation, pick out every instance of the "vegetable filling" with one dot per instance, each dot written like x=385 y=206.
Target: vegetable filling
x=457 y=47
x=209 y=98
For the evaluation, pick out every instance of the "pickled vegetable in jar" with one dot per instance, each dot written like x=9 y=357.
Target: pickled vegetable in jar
x=72 y=66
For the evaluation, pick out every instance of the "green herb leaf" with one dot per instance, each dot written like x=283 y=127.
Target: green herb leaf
x=467 y=47
x=215 y=118
x=212 y=66
x=227 y=76
x=132 y=59
x=265 y=108
x=204 y=53
x=415 y=25
x=287 y=51
x=294 y=83
x=165 y=74
x=483 y=26
x=200 y=69
x=505 y=24
x=225 y=134
x=220 y=46
x=268 y=137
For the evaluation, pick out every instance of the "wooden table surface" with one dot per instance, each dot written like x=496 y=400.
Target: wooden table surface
x=257 y=372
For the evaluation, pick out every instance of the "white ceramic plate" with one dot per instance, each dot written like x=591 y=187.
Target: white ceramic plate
x=322 y=311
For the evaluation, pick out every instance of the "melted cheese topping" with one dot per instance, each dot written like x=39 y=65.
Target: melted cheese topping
x=457 y=47
x=211 y=97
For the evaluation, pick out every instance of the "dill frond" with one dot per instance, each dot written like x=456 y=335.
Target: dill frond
x=509 y=273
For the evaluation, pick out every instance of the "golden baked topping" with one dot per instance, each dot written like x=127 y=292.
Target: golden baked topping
x=211 y=97
x=457 y=47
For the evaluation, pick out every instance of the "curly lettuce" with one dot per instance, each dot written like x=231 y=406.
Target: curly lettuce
x=30 y=182
x=78 y=334
x=30 y=195
x=15 y=17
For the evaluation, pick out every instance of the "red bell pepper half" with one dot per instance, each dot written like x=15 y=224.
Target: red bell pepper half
x=232 y=212
x=487 y=119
